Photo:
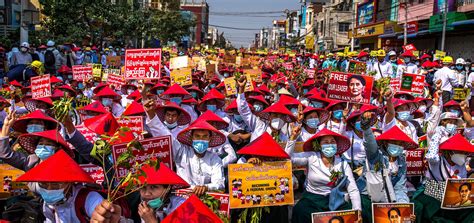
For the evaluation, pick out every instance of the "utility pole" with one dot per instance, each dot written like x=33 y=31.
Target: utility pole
x=405 y=27
x=445 y=14
x=23 y=26
x=354 y=6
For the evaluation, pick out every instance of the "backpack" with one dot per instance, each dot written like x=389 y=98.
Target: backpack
x=80 y=203
x=49 y=59
x=25 y=211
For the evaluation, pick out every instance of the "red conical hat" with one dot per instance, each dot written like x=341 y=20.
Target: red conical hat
x=58 y=168
x=192 y=210
x=280 y=109
x=343 y=143
x=6 y=103
x=175 y=90
x=15 y=83
x=317 y=94
x=263 y=88
x=93 y=107
x=308 y=83
x=400 y=102
x=407 y=53
x=212 y=95
x=457 y=143
x=190 y=101
x=29 y=141
x=68 y=89
x=322 y=113
x=62 y=69
x=334 y=103
x=134 y=109
x=163 y=176
x=57 y=94
x=196 y=89
x=156 y=86
x=232 y=107
x=214 y=120
x=32 y=104
x=217 y=138
x=99 y=87
x=452 y=103
x=288 y=100
x=184 y=117
x=429 y=102
x=264 y=145
x=395 y=134
x=21 y=124
x=136 y=95
x=107 y=92
x=407 y=96
x=259 y=98
x=355 y=114
x=125 y=87
x=102 y=124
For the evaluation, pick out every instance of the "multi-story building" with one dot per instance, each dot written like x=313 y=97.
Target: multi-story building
x=277 y=34
x=16 y=14
x=333 y=23
x=200 y=11
x=212 y=35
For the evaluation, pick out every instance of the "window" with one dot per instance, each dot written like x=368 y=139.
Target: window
x=344 y=27
x=322 y=27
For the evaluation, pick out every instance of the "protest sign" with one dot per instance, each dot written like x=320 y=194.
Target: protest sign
x=255 y=75
x=350 y=87
x=8 y=175
x=392 y=212
x=157 y=147
x=414 y=160
x=248 y=84
x=97 y=70
x=114 y=61
x=395 y=84
x=409 y=47
x=288 y=66
x=223 y=199
x=230 y=86
x=142 y=64
x=268 y=184
x=81 y=73
x=96 y=172
x=439 y=55
x=202 y=65
x=210 y=71
x=230 y=58
x=330 y=216
x=412 y=83
x=416 y=53
x=41 y=86
x=115 y=80
x=310 y=73
x=457 y=194
x=108 y=71
x=86 y=132
x=182 y=77
x=357 y=67
x=460 y=94
x=238 y=61
x=134 y=123
x=179 y=62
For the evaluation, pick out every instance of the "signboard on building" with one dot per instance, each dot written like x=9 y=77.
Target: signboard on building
x=366 y=13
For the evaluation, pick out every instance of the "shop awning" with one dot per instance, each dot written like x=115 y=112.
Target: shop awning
x=389 y=35
x=413 y=35
x=463 y=22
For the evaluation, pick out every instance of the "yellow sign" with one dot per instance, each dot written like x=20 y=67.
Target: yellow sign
x=97 y=70
x=346 y=50
x=248 y=84
x=8 y=175
x=255 y=75
x=439 y=55
x=179 y=62
x=182 y=77
x=366 y=31
x=230 y=86
x=416 y=53
x=268 y=184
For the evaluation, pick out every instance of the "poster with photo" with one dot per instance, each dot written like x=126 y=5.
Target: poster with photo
x=458 y=194
x=392 y=212
x=335 y=216
x=350 y=87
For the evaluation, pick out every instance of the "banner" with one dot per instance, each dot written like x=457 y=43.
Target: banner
x=357 y=67
x=142 y=64
x=8 y=175
x=134 y=123
x=365 y=13
x=41 y=86
x=414 y=160
x=394 y=84
x=350 y=87
x=460 y=94
x=412 y=83
x=114 y=61
x=457 y=194
x=409 y=47
x=96 y=172
x=182 y=77
x=81 y=73
x=223 y=198
x=97 y=70
x=178 y=62
x=288 y=66
x=87 y=133
x=310 y=73
x=115 y=80
x=230 y=86
x=392 y=212
x=157 y=147
x=268 y=184
x=336 y=216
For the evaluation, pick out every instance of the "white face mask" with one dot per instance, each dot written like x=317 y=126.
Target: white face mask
x=459 y=159
x=422 y=108
x=277 y=123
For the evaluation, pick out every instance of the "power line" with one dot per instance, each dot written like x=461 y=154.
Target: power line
x=234 y=28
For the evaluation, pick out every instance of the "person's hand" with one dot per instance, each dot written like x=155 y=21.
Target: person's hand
x=106 y=212
x=346 y=111
x=241 y=82
x=234 y=138
x=146 y=213
x=255 y=161
x=438 y=84
x=413 y=218
x=295 y=131
x=365 y=120
x=150 y=106
x=300 y=115
x=388 y=95
x=8 y=122
x=200 y=190
x=464 y=106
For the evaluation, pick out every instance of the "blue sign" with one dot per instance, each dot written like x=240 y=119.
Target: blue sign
x=365 y=13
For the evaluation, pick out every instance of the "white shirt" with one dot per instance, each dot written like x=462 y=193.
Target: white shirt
x=157 y=128
x=357 y=144
x=410 y=129
x=447 y=77
x=334 y=126
x=382 y=70
x=406 y=68
x=469 y=81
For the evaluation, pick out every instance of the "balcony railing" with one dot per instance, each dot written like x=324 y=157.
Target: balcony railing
x=464 y=2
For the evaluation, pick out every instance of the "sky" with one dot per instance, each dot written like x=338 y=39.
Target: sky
x=218 y=17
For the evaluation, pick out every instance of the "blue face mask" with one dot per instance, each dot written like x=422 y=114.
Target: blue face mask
x=51 y=196
x=32 y=128
x=329 y=150
x=226 y=75
x=258 y=107
x=407 y=60
x=358 y=126
x=305 y=91
x=238 y=118
x=451 y=128
x=170 y=126
x=44 y=151
x=212 y=86
x=312 y=122
x=194 y=94
x=403 y=115
x=337 y=114
x=294 y=111
x=456 y=112
x=317 y=104
x=107 y=102
x=80 y=86
x=212 y=108
x=158 y=92
x=459 y=67
x=176 y=100
x=200 y=146
x=394 y=150
x=69 y=77
x=155 y=203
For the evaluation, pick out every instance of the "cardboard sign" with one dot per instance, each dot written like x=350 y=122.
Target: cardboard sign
x=41 y=86
x=392 y=212
x=115 y=80
x=210 y=71
x=346 y=216
x=8 y=175
x=230 y=58
x=350 y=87
x=412 y=83
x=179 y=62
x=114 y=61
x=134 y=123
x=457 y=194
x=230 y=86
x=97 y=70
x=460 y=94
x=414 y=160
x=357 y=67
x=223 y=198
x=248 y=84
x=409 y=47
x=255 y=75
x=182 y=77
x=106 y=72
x=157 y=147
x=310 y=73
x=268 y=184
x=439 y=55
x=96 y=172
x=81 y=73
x=142 y=64
x=87 y=133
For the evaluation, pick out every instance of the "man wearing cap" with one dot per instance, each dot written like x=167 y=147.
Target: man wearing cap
x=447 y=77
x=329 y=62
x=22 y=57
x=382 y=68
x=460 y=72
x=408 y=66
x=52 y=58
